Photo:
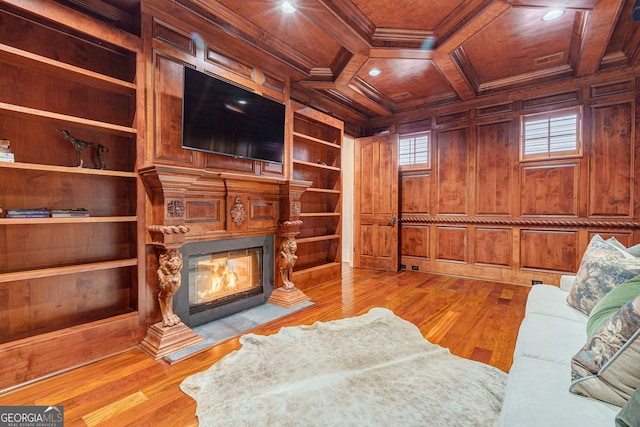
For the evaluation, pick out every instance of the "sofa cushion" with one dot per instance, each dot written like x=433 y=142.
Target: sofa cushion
x=611 y=302
x=537 y=395
x=552 y=301
x=549 y=338
x=607 y=367
x=603 y=267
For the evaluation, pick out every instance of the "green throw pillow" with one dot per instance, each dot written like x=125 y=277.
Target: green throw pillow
x=629 y=415
x=611 y=302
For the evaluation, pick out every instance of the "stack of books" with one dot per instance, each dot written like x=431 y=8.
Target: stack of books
x=28 y=213
x=47 y=213
x=5 y=151
x=69 y=213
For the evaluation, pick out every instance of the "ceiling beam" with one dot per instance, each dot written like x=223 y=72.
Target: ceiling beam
x=443 y=59
x=324 y=15
x=601 y=24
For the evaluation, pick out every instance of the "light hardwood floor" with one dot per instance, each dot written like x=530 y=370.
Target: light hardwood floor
x=478 y=320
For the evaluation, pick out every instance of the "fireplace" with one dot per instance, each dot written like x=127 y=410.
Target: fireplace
x=222 y=277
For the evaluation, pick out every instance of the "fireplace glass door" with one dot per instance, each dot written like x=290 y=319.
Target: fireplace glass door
x=218 y=278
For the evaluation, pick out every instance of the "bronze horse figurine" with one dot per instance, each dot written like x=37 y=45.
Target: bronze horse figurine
x=80 y=145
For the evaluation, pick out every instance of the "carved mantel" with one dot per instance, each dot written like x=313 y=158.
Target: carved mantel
x=188 y=205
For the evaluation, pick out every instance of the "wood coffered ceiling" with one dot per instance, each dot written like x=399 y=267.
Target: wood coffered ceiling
x=429 y=52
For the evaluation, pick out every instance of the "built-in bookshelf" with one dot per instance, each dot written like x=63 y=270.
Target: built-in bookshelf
x=317 y=145
x=70 y=283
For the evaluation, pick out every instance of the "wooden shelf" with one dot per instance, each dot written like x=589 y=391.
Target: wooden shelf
x=66 y=169
x=76 y=279
x=50 y=66
x=316 y=165
x=71 y=220
x=49 y=115
x=316 y=140
x=318 y=214
x=317 y=238
x=322 y=190
x=70 y=269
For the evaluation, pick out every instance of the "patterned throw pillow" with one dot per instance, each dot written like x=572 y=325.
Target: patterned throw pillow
x=610 y=303
x=607 y=368
x=603 y=267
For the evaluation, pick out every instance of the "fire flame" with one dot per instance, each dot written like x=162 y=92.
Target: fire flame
x=223 y=281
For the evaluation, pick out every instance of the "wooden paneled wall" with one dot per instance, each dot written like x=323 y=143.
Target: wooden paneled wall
x=482 y=212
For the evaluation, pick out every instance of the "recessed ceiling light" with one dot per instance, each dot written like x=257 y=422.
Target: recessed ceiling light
x=287 y=7
x=374 y=72
x=553 y=14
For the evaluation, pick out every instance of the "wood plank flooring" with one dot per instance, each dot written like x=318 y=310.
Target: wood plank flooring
x=478 y=320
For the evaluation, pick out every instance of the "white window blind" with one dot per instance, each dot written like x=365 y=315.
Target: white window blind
x=414 y=149
x=552 y=133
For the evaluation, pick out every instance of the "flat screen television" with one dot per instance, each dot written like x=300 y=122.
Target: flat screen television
x=222 y=118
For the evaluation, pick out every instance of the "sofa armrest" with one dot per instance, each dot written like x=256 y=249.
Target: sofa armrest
x=566 y=282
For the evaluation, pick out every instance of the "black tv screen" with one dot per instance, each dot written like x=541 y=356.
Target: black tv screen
x=222 y=118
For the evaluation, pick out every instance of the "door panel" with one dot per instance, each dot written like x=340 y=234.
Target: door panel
x=376 y=203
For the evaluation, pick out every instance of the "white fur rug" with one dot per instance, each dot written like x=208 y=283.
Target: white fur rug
x=371 y=370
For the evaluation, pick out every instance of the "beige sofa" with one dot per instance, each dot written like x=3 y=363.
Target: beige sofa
x=537 y=392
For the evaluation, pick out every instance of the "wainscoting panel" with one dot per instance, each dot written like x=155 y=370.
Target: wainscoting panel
x=493 y=246
x=549 y=250
x=451 y=244
x=414 y=240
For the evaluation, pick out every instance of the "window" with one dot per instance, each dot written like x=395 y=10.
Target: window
x=553 y=134
x=415 y=149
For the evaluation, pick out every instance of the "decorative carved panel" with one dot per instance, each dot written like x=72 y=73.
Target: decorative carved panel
x=238 y=212
x=550 y=189
x=263 y=213
x=205 y=210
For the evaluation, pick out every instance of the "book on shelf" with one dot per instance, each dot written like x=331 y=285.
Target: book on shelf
x=6 y=157
x=5 y=151
x=29 y=213
x=69 y=213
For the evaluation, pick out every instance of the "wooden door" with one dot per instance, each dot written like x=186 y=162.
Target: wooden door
x=376 y=203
